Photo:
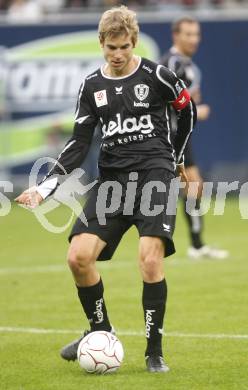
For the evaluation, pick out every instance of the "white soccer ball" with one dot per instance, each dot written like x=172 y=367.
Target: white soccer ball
x=100 y=352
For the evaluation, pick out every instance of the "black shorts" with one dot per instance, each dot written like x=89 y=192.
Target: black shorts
x=188 y=155
x=129 y=207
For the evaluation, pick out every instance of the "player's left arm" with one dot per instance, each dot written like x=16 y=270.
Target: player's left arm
x=174 y=91
x=187 y=116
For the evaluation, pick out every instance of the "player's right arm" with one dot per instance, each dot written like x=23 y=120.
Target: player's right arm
x=73 y=154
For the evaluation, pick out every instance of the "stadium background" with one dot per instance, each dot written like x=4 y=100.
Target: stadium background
x=206 y=324
x=50 y=50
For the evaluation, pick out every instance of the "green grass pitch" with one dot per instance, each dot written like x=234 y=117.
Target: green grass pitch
x=207 y=303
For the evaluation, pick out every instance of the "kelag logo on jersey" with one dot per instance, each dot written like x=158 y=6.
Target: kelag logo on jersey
x=129 y=125
x=45 y=74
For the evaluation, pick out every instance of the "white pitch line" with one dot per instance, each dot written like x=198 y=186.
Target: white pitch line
x=31 y=270
x=50 y=268
x=9 y=329
x=61 y=268
x=53 y=268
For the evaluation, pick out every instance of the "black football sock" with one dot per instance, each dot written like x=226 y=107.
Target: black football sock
x=154 y=303
x=94 y=306
x=195 y=222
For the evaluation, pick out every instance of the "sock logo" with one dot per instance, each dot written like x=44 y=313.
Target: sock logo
x=149 y=322
x=99 y=312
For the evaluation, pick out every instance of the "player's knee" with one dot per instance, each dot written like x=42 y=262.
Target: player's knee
x=150 y=266
x=79 y=259
x=151 y=252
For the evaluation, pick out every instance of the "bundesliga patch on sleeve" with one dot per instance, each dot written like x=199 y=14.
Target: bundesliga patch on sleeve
x=182 y=100
x=101 y=98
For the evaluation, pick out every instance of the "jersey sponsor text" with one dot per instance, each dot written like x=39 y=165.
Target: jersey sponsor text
x=128 y=125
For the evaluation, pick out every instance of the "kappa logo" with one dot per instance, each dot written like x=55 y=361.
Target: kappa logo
x=166 y=228
x=141 y=91
x=118 y=90
x=101 y=98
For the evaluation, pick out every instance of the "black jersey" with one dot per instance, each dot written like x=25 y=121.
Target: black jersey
x=184 y=68
x=133 y=113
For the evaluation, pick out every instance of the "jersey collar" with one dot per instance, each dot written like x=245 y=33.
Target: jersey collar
x=122 y=77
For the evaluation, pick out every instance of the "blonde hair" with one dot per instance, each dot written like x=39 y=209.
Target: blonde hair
x=117 y=21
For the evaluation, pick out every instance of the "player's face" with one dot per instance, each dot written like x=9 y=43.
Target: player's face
x=118 y=53
x=188 y=38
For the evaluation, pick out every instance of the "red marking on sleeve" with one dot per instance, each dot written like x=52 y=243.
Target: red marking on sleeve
x=181 y=102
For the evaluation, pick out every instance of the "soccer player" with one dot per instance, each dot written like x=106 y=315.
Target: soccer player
x=186 y=35
x=129 y=96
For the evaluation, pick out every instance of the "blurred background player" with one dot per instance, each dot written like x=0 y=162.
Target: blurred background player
x=186 y=36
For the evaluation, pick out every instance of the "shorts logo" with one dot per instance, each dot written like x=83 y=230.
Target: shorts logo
x=166 y=228
x=101 y=98
x=141 y=91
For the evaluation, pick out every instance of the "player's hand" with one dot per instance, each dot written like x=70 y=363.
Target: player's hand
x=203 y=111
x=29 y=198
x=181 y=172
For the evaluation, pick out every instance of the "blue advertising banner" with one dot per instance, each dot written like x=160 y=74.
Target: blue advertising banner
x=42 y=67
